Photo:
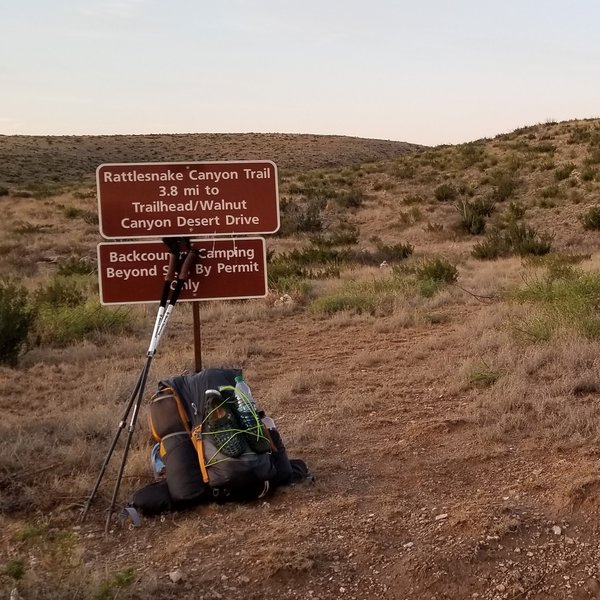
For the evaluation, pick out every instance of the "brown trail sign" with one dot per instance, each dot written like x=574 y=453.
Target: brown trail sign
x=226 y=269
x=187 y=199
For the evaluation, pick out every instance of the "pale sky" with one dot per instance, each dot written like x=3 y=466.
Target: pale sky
x=422 y=71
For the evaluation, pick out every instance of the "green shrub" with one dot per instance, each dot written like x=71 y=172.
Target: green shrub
x=296 y=218
x=75 y=265
x=343 y=301
x=495 y=245
x=344 y=236
x=110 y=588
x=564 y=171
x=445 y=192
x=517 y=238
x=505 y=186
x=61 y=291
x=60 y=325
x=15 y=569
x=551 y=191
x=515 y=211
x=472 y=213
x=525 y=240
x=588 y=173
x=352 y=198
x=484 y=376
x=388 y=253
x=16 y=319
x=71 y=212
x=471 y=153
x=562 y=303
x=593 y=158
x=591 y=219
x=437 y=269
x=403 y=171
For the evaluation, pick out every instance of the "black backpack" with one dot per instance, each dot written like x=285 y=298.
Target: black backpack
x=208 y=453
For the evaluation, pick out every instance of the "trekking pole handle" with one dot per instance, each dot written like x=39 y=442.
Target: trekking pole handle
x=183 y=275
x=189 y=261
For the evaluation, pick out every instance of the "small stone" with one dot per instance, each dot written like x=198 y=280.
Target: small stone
x=592 y=587
x=177 y=576
x=530 y=554
x=244 y=579
x=500 y=588
x=556 y=530
x=442 y=516
x=14 y=595
x=342 y=590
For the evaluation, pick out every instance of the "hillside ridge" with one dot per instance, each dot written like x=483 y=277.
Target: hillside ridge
x=27 y=160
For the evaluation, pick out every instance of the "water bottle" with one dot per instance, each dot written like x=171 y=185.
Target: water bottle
x=248 y=415
x=245 y=404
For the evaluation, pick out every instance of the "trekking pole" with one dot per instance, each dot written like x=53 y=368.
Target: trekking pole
x=159 y=329
x=174 y=263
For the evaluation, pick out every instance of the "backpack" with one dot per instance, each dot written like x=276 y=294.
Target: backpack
x=207 y=452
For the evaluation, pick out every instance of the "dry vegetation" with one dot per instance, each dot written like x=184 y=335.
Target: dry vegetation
x=430 y=346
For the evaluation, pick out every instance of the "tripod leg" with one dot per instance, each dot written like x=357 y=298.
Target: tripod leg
x=132 y=422
x=120 y=428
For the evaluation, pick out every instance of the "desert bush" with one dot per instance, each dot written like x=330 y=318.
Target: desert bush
x=412 y=199
x=60 y=325
x=517 y=238
x=551 y=191
x=384 y=185
x=472 y=213
x=343 y=301
x=16 y=319
x=525 y=240
x=445 y=192
x=76 y=265
x=346 y=235
x=437 y=269
x=564 y=171
x=411 y=216
x=4 y=191
x=591 y=219
x=564 y=301
x=589 y=173
x=61 y=291
x=593 y=158
x=579 y=134
x=471 y=153
x=515 y=211
x=352 y=198
x=403 y=171
x=71 y=212
x=544 y=147
x=386 y=252
x=295 y=218
x=483 y=375
x=495 y=245
x=505 y=185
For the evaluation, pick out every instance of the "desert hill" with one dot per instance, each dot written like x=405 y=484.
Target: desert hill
x=35 y=160
x=430 y=345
